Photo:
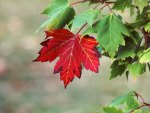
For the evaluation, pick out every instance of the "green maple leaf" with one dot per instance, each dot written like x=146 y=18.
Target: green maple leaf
x=141 y=4
x=128 y=100
x=85 y=17
x=147 y=27
x=59 y=13
x=122 y=4
x=144 y=15
x=117 y=69
x=110 y=32
x=129 y=50
x=145 y=56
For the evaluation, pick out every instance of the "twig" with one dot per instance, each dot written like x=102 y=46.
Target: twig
x=146 y=38
x=81 y=28
x=109 y=8
x=100 y=1
x=109 y=2
x=96 y=6
x=103 y=7
x=143 y=105
x=138 y=95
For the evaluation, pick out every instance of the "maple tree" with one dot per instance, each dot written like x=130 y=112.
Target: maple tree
x=126 y=43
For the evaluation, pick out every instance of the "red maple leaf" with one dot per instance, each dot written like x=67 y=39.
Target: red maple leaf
x=73 y=51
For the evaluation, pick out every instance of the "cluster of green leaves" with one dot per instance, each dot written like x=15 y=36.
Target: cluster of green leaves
x=128 y=44
x=127 y=103
x=135 y=55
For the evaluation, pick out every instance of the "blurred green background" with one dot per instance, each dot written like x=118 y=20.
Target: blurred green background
x=27 y=87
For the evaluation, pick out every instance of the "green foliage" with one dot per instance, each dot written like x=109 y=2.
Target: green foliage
x=127 y=51
x=108 y=34
x=145 y=56
x=119 y=40
x=122 y=4
x=117 y=69
x=85 y=17
x=112 y=110
x=147 y=27
x=144 y=16
x=141 y=4
x=128 y=100
x=59 y=13
x=126 y=44
x=136 y=68
x=127 y=103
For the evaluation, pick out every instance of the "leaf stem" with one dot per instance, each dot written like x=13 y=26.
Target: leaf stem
x=100 y=1
x=96 y=6
x=81 y=28
x=103 y=7
x=107 y=4
x=138 y=95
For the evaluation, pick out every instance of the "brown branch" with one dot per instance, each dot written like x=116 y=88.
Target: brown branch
x=81 y=28
x=110 y=2
x=103 y=7
x=146 y=38
x=96 y=6
x=147 y=104
x=138 y=95
x=107 y=4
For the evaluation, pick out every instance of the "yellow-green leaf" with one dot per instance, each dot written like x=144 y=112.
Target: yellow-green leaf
x=145 y=56
x=147 y=27
x=141 y=4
